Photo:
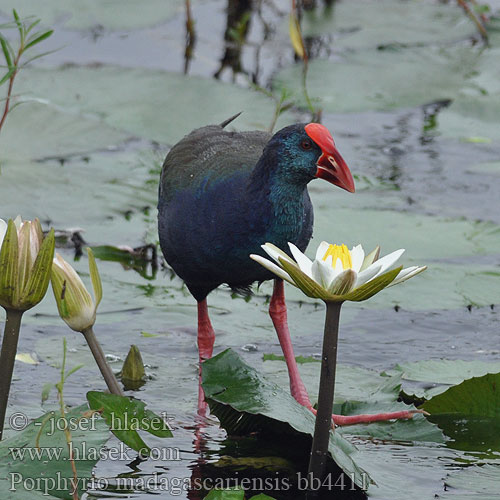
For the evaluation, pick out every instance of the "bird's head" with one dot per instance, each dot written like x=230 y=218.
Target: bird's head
x=307 y=151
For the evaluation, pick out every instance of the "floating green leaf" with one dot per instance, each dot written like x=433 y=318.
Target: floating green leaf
x=125 y=416
x=243 y=400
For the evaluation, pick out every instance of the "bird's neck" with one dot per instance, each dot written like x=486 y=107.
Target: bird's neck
x=273 y=192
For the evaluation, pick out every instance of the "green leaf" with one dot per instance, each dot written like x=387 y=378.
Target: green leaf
x=38 y=56
x=95 y=277
x=244 y=402
x=38 y=39
x=126 y=415
x=479 y=482
x=427 y=378
x=6 y=49
x=9 y=267
x=15 y=456
x=230 y=494
x=299 y=359
x=469 y=413
x=478 y=396
x=72 y=370
x=20 y=26
x=32 y=25
x=39 y=278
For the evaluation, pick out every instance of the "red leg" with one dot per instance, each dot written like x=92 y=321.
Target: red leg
x=277 y=311
x=206 y=339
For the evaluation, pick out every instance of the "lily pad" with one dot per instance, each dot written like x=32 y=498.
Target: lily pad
x=112 y=14
x=468 y=116
x=437 y=375
x=381 y=80
x=360 y=391
x=233 y=388
x=143 y=102
x=469 y=413
x=32 y=476
x=36 y=130
x=479 y=482
x=477 y=396
x=364 y=24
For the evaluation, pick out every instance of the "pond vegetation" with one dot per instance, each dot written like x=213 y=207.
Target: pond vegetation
x=410 y=90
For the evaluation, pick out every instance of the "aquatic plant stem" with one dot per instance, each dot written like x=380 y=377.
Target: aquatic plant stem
x=100 y=358
x=475 y=20
x=323 y=426
x=67 y=432
x=7 y=359
x=9 y=91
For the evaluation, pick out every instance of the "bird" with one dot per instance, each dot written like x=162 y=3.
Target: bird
x=222 y=194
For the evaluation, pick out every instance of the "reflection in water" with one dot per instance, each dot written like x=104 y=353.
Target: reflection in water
x=190 y=38
x=237 y=25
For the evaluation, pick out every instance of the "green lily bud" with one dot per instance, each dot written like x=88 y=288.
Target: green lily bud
x=75 y=304
x=25 y=263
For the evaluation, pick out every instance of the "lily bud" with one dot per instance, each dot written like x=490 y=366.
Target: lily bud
x=25 y=263
x=75 y=304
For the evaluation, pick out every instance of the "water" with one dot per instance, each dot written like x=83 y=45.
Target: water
x=102 y=136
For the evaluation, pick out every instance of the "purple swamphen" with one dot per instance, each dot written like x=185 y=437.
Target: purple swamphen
x=222 y=195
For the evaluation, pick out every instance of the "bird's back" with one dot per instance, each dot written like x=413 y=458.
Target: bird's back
x=209 y=154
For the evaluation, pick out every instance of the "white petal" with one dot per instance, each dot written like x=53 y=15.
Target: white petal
x=72 y=276
x=323 y=272
x=343 y=283
x=321 y=250
x=302 y=260
x=3 y=230
x=387 y=261
x=357 y=257
x=366 y=275
x=338 y=266
x=274 y=252
x=271 y=266
x=406 y=274
x=18 y=222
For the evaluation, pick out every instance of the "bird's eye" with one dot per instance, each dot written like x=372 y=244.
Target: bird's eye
x=306 y=144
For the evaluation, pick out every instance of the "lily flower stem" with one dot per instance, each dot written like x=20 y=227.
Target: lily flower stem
x=323 y=426
x=100 y=358
x=7 y=359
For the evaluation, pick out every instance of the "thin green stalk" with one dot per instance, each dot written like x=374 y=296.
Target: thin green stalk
x=67 y=432
x=9 y=91
x=319 y=450
x=7 y=359
x=475 y=20
x=100 y=358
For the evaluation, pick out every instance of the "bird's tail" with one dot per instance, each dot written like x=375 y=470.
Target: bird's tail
x=229 y=120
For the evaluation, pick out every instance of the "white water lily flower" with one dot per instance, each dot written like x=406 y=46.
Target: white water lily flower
x=75 y=304
x=337 y=273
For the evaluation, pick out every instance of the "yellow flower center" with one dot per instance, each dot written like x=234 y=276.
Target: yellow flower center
x=339 y=252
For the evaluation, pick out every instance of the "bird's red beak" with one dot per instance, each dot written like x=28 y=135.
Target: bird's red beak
x=331 y=166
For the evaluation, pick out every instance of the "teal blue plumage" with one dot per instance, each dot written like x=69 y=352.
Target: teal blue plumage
x=224 y=194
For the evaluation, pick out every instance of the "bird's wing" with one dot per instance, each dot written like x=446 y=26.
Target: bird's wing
x=209 y=154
